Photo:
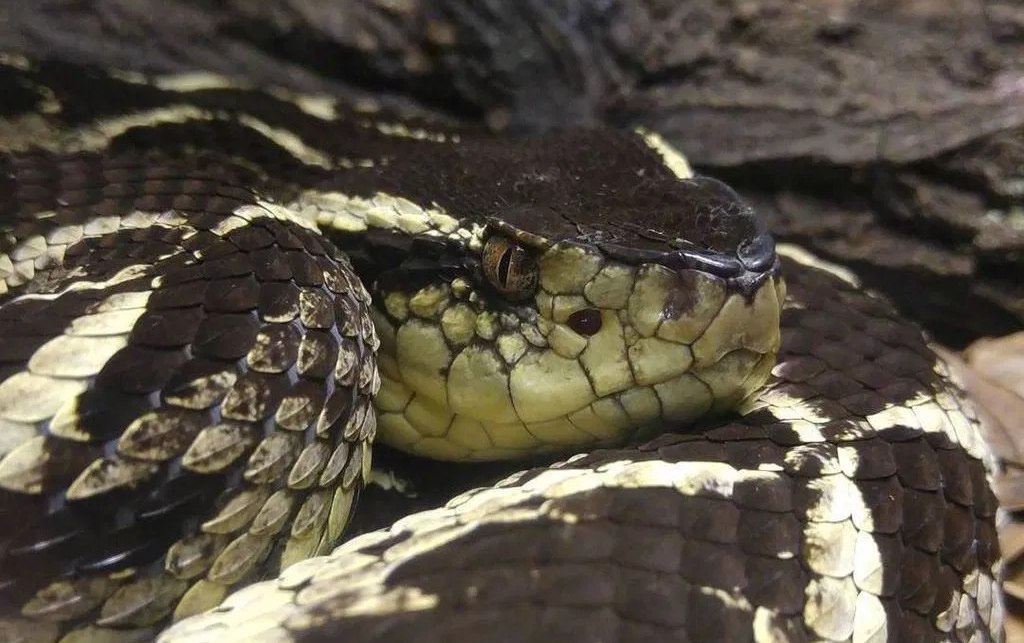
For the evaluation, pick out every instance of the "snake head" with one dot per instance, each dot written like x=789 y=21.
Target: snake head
x=646 y=325
x=558 y=293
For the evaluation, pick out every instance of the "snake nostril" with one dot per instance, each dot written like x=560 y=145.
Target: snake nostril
x=586 y=322
x=757 y=253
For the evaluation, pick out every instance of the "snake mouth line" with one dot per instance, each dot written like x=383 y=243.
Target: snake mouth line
x=755 y=255
x=744 y=274
x=492 y=403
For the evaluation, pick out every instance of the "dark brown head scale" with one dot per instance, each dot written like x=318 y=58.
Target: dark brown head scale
x=703 y=224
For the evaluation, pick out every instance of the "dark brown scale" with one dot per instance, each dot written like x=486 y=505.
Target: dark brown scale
x=208 y=246
x=883 y=500
x=956 y=477
x=864 y=345
x=917 y=465
x=236 y=264
x=766 y=533
x=914 y=628
x=710 y=519
x=922 y=519
x=161 y=435
x=305 y=270
x=703 y=451
x=985 y=502
x=272 y=458
x=947 y=583
x=751 y=454
x=336 y=411
x=205 y=221
x=653 y=549
x=168 y=329
x=834 y=384
x=771 y=495
x=184 y=270
x=223 y=205
x=276 y=348
x=734 y=436
x=987 y=537
x=286 y=239
x=226 y=336
x=874 y=458
x=958 y=547
x=870 y=375
x=836 y=356
x=716 y=621
x=940 y=441
x=334 y=279
x=183 y=295
x=121 y=550
x=231 y=295
x=308 y=401
x=921 y=571
x=776 y=584
x=254 y=396
x=318 y=353
x=198 y=384
x=901 y=433
x=278 y=302
x=801 y=369
x=271 y=265
x=250 y=238
x=354 y=423
x=313 y=244
x=864 y=403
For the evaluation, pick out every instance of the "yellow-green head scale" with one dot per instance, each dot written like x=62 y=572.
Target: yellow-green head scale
x=585 y=299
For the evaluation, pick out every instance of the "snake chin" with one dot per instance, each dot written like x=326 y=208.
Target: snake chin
x=465 y=384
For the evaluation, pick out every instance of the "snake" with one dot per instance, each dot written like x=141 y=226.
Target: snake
x=216 y=298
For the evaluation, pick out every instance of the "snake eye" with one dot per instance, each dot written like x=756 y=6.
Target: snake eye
x=509 y=268
x=585 y=322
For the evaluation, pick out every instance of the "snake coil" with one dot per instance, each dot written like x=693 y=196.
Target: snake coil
x=213 y=298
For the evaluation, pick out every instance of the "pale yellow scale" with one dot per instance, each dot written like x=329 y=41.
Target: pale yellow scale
x=458 y=383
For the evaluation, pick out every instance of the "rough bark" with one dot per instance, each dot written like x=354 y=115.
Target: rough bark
x=888 y=135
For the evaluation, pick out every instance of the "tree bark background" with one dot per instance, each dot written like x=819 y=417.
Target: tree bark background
x=887 y=135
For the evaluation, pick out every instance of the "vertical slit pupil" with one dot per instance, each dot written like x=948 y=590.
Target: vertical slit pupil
x=504 y=265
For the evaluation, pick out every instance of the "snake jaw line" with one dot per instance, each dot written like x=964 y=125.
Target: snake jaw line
x=672 y=346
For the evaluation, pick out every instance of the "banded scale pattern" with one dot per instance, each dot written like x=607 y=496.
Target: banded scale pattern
x=849 y=502
x=159 y=193
x=184 y=408
x=469 y=374
x=185 y=385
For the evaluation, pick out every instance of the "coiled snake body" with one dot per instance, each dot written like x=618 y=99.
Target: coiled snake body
x=187 y=362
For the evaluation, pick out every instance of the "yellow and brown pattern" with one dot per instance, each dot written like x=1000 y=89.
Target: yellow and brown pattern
x=188 y=360
x=849 y=503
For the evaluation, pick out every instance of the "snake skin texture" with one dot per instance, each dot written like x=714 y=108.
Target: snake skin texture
x=849 y=503
x=198 y=281
x=234 y=371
